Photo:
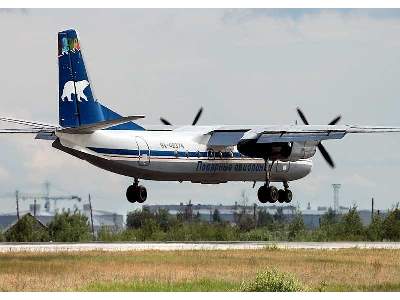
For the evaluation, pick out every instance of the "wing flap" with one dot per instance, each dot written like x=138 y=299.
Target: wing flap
x=275 y=137
x=225 y=138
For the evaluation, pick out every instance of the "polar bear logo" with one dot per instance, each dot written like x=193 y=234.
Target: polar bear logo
x=69 y=89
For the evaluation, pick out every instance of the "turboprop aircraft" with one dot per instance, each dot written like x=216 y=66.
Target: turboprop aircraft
x=200 y=154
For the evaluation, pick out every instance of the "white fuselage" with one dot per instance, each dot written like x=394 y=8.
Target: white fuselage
x=175 y=155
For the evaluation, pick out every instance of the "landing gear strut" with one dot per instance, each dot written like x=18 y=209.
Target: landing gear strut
x=136 y=192
x=271 y=194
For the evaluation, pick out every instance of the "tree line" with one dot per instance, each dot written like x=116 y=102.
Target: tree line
x=144 y=225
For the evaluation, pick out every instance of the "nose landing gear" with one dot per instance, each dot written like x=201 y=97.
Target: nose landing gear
x=136 y=193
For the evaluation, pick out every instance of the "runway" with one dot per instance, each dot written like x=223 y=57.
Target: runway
x=177 y=246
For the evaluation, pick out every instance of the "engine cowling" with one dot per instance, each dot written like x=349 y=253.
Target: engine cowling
x=302 y=150
x=289 y=151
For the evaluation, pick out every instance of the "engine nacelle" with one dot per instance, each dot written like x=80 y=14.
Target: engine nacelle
x=301 y=150
x=289 y=151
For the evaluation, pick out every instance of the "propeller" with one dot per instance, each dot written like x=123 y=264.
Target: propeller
x=195 y=120
x=321 y=148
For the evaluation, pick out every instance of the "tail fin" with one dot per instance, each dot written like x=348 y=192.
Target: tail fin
x=77 y=105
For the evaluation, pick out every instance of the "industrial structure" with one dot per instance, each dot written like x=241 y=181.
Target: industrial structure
x=46 y=212
x=336 y=188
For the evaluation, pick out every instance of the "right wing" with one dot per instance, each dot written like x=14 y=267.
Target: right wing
x=232 y=135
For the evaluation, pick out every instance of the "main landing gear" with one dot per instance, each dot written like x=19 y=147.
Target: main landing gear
x=269 y=193
x=136 y=193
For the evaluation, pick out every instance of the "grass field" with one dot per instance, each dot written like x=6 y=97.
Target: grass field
x=326 y=270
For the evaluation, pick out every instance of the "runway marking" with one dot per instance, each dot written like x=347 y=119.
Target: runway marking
x=176 y=246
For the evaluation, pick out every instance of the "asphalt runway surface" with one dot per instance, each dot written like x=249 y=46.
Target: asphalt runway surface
x=175 y=246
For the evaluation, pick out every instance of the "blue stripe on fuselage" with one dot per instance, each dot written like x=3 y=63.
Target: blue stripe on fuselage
x=164 y=153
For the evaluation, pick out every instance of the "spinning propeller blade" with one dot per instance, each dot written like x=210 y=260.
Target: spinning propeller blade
x=195 y=120
x=197 y=117
x=321 y=148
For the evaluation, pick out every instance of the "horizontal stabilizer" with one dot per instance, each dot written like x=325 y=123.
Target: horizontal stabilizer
x=90 y=128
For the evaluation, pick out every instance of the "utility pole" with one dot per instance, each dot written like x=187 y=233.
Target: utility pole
x=372 y=209
x=17 y=200
x=91 y=215
x=254 y=214
x=47 y=196
x=34 y=207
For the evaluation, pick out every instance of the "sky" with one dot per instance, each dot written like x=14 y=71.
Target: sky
x=244 y=66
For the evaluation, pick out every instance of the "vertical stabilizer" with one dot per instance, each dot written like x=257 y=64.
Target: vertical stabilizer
x=77 y=105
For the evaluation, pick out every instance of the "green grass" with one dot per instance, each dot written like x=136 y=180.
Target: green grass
x=317 y=270
x=204 y=285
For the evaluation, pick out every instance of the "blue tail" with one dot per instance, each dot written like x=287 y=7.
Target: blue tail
x=77 y=104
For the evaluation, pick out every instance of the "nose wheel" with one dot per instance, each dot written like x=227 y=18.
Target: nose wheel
x=136 y=193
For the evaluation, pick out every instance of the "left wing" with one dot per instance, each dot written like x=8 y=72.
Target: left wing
x=42 y=130
x=33 y=124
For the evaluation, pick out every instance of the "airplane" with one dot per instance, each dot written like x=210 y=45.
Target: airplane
x=214 y=154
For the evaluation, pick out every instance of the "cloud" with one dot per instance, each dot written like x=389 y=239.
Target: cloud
x=298 y=14
x=255 y=70
x=19 y=11
x=4 y=175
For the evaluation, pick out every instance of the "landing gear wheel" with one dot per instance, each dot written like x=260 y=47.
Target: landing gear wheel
x=136 y=193
x=267 y=194
x=288 y=196
x=262 y=194
x=273 y=194
x=281 y=196
x=141 y=194
x=131 y=193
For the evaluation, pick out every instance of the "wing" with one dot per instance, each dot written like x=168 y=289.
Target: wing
x=33 y=124
x=43 y=131
x=232 y=135
x=47 y=131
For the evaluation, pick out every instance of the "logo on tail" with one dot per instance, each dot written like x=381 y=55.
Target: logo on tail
x=69 y=90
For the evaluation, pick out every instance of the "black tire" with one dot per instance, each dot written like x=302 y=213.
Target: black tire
x=262 y=194
x=288 y=196
x=281 y=196
x=131 y=193
x=273 y=194
x=141 y=194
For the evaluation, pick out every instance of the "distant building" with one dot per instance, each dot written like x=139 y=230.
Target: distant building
x=227 y=212
x=311 y=218
x=101 y=218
